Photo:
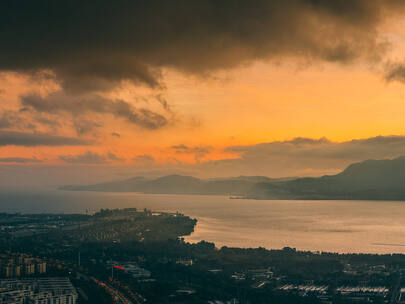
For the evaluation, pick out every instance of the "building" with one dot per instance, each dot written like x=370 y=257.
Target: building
x=16 y=264
x=135 y=271
x=29 y=269
x=27 y=260
x=10 y=271
x=41 y=267
x=41 y=291
x=17 y=271
x=185 y=262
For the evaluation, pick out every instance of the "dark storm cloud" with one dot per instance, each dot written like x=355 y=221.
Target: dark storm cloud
x=395 y=72
x=79 y=105
x=90 y=158
x=21 y=160
x=9 y=138
x=92 y=46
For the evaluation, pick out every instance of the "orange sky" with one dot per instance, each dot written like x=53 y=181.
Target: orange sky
x=251 y=104
x=264 y=103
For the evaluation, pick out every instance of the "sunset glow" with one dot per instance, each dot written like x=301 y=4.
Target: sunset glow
x=182 y=111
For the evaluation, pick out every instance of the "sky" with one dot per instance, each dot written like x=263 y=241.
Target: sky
x=98 y=91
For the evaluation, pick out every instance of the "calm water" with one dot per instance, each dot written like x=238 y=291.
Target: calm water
x=338 y=226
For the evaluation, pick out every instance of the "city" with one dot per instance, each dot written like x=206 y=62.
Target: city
x=140 y=256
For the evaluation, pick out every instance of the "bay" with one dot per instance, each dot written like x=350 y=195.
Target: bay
x=333 y=226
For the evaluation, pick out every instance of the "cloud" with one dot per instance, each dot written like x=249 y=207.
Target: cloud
x=113 y=157
x=395 y=72
x=296 y=157
x=303 y=156
x=22 y=160
x=93 y=47
x=198 y=151
x=143 y=159
x=59 y=102
x=7 y=121
x=374 y=147
x=11 y=119
x=115 y=134
x=162 y=100
x=53 y=123
x=24 y=120
x=89 y=157
x=180 y=148
x=8 y=138
x=84 y=126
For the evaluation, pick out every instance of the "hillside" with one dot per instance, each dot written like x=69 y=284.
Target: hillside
x=368 y=180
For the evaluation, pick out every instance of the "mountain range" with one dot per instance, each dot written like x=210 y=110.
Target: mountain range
x=368 y=180
x=179 y=184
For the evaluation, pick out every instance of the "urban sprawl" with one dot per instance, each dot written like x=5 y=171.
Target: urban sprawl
x=140 y=256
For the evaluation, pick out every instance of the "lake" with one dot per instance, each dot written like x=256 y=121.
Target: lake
x=336 y=226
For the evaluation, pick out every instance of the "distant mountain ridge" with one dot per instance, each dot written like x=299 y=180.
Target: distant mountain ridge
x=368 y=180
x=178 y=184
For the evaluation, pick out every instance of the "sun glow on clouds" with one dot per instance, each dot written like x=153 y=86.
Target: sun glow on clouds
x=180 y=103
x=260 y=103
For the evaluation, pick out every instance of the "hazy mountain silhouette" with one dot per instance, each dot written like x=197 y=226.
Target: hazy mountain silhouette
x=178 y=184
x=370 y=180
